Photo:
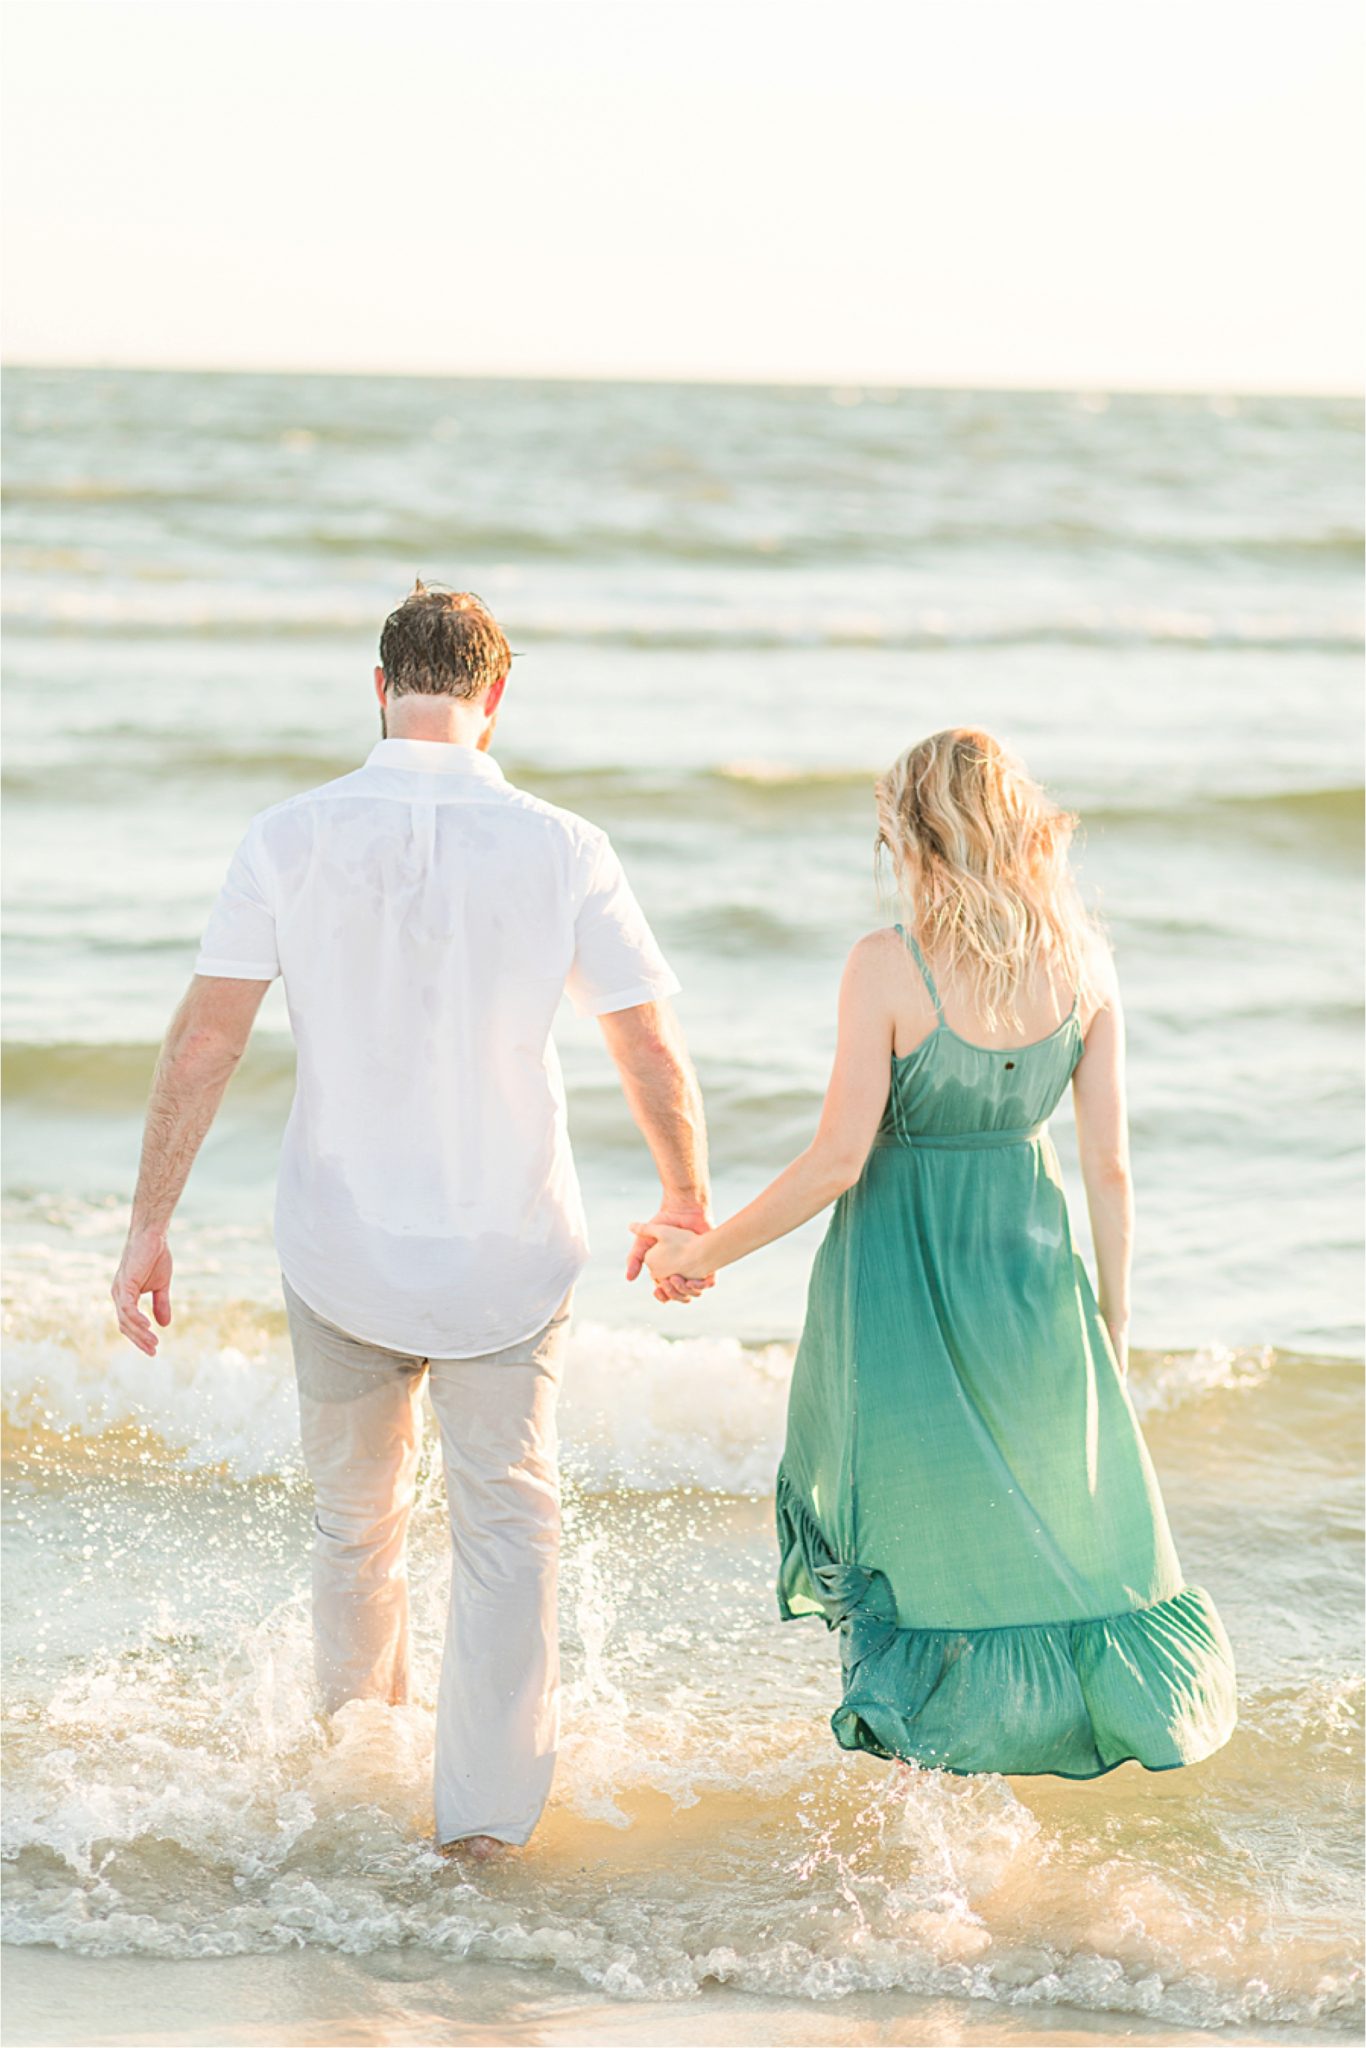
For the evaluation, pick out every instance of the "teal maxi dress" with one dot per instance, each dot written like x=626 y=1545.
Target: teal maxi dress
x=965 y=1493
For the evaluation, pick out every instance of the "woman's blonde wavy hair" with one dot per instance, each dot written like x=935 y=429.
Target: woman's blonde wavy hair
x=979 y=855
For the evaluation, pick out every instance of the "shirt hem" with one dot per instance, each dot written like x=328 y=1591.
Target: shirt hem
x=415 y=1351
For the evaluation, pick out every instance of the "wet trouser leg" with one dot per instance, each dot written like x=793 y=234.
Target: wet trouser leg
x=360 y=1421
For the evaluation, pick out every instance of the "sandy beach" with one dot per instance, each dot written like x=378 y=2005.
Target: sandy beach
x=317 y=2001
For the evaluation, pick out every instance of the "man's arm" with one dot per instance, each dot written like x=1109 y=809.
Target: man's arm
x=661 y=1091
x=854 y=1103
x=206 y=1039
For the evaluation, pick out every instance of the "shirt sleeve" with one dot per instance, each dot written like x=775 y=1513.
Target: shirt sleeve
x=239 y=938
x=617 y=962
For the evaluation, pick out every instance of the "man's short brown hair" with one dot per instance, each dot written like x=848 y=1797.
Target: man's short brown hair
x=442 y=643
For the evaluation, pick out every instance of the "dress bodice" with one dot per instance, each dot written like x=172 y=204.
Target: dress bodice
x=948 y=1088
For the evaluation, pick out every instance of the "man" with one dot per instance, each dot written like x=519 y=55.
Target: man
x=425 y=917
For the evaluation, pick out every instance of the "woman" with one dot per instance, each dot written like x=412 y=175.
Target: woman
x=965 y=1492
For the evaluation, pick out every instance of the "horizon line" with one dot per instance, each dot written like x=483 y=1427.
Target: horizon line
x=778 y=381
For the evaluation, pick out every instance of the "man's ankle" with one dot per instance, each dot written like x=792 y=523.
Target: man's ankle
x=480 y=1847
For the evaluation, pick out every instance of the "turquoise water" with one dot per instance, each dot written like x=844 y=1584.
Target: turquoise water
x=731 y=608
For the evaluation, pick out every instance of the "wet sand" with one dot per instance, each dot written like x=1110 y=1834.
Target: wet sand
x=401 y=2000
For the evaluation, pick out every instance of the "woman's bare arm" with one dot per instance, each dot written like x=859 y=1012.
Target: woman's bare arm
x=1098 y=1095
x=833 y=1161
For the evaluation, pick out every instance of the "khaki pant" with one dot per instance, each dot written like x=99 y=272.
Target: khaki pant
x=497 y=1712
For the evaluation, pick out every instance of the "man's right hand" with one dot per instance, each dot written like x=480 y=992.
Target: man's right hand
x=680 y=1214
x=145 y=1268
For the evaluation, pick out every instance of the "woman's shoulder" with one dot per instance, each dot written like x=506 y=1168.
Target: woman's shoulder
x=876 y=955
x=883 y=943
x=880 y=973
x=1098 y=953
x=1100 y=976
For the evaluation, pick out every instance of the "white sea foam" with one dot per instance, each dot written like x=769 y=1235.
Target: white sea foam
x=640 y=1409
x=153 y=1823
x=173 y=1790
x=1170 y=1379
x=36 y=603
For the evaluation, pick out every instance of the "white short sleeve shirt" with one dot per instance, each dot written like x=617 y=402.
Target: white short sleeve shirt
x=426 y=916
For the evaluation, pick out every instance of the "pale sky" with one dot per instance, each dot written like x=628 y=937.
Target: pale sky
x=1034 y=192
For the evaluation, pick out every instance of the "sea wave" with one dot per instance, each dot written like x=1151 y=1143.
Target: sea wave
x=193 y=611
x=642 y=1412
x=148 y=1817
x=766 y=792
x=1334 y=814
x=74 y=1076
x=672 y=511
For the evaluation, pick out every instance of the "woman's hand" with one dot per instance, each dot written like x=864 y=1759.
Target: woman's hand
x=1119 y=1344
x=684 y=1214
x=674 y=1253
x=832 y=1162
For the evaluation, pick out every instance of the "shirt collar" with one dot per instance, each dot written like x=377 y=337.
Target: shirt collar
x=434 y=757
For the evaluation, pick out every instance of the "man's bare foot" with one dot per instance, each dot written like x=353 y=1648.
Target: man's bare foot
x=480 y=1847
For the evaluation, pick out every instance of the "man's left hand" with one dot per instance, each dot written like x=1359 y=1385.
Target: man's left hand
x=692 y=1216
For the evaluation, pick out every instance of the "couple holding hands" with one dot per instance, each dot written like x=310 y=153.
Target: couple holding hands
x=964 y=1494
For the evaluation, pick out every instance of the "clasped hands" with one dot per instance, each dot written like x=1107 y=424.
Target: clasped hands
x=668 y=1246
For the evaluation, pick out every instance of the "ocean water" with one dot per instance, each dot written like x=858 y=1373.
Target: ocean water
x=732 y=607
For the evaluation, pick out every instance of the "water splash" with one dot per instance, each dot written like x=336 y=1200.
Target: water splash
x=640 y=1410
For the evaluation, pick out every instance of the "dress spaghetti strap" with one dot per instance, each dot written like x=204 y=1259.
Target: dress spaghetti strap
x=925 y=974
